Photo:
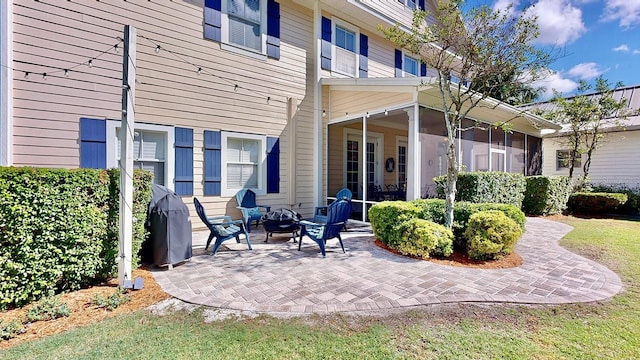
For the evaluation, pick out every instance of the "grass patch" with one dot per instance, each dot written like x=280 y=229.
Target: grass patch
x=582 y=331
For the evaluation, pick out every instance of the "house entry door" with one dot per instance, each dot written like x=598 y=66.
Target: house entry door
x=356 y=156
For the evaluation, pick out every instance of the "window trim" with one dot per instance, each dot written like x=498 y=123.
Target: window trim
x=169 y=160
x=225 y=44
x=406 y=4
x=335 y=22
x=262 y=162
x=576 y=165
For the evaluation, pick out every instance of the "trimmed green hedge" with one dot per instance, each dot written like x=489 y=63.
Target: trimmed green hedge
x=596 y=203
x=632 y=206
x=487 y=187
x=546 y=195
x=491 y=235
x=58 y=229
x=386 y=216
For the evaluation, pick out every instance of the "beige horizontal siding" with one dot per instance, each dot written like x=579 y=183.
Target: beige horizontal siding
x=52 y=35
x=616 y=161
x=361 y=102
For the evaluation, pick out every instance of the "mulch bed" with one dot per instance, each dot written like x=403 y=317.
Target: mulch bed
x=84 y=312
x=459 y=258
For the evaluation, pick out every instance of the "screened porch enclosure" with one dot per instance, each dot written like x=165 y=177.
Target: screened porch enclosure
x=374 y=158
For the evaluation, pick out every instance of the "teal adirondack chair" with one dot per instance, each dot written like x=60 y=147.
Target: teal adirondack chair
x=222 y=228
x=246 y=199
x=337 y=214
x=320 y=215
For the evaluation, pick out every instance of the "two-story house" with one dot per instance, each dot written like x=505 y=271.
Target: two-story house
x=292 y=98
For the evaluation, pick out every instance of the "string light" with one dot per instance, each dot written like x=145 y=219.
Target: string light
x=368 y=115
x=268 y=99
x=44 y=76
x=26 y=75
x=324 y=113
x=235 y=88
x=199 y=71
x=115 y=47
x=386 y=112
x=66 y=72
x=158 y=49
x=90 y=63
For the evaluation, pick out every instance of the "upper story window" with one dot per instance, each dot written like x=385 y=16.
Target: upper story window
x=410 y=66
x=411 y=4
x=245 y=22
x=250 y=27
x=345 y=49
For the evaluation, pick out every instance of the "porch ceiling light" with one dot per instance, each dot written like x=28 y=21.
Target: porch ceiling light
x=386 y=112
x=324 y=113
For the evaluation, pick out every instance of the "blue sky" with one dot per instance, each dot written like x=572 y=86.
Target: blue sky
x=598 y=37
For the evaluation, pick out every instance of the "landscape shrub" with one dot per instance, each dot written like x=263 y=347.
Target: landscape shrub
x=386 y=217
x=632 y=205
x=424 y=238
x=546 y=195
x=10 y=329
x=491 y=235
x=48 y=308
x=57 y=230
x=433 y=209
x=487 y=187
x=596 y=203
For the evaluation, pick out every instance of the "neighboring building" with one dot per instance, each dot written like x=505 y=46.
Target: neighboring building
x=293 y=98
x=616 y=162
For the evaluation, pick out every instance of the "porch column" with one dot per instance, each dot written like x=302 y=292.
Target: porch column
x=413 y=153
x=365 y=186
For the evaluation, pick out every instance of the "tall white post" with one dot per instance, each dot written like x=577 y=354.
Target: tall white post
x=126 y=156
x=365 y=184
x=413 y=154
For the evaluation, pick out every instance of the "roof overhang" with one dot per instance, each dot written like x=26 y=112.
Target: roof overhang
x=427 y=93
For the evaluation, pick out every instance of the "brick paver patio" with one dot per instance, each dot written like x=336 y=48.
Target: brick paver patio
x=277 y=278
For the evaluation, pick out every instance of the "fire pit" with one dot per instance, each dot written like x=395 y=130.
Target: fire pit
x=281 y=221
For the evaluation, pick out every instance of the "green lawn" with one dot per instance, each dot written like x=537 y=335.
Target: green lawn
x=582 y=331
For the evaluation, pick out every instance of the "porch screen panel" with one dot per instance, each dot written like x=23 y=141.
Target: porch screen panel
x=433 y=138
x=352 y=166
x=534 y=155
x=515 y=153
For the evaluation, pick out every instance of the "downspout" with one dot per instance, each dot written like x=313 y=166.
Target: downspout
x=6 y=83
x=317 y=104
x=292 y=105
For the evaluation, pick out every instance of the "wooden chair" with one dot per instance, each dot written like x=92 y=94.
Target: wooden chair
x=222 y=228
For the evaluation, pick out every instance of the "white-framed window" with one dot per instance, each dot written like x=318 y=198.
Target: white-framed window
x=410 y=65
x=152 y=150
x=243 y=163
x=244 y=25
x=563 y=157
x=411 y=4
x=346 y=47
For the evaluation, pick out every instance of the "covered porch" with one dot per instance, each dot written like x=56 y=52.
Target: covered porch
x=385 y=139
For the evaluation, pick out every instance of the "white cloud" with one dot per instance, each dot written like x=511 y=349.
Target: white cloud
x=585 y=71
x=626 y=12
x=559 y=21
x=502 y=5
x=636 y=52
x=553 y=80
x=622 y=47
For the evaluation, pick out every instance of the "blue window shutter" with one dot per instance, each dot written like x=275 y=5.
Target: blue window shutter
x=184 y=161
x=364 y=56
x=273 y=165
x=423 y=69
x=273 y=29
x=212 y=163
x=398 y=63
x=213 y=20
x=325 y=52
x=421 y=5
x=93 y=143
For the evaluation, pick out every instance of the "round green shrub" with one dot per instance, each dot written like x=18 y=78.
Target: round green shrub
x=491 y=235
x=424 y=238
x=385 y=218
